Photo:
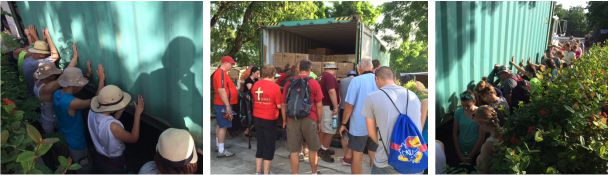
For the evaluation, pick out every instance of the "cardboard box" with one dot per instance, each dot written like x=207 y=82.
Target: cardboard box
x=318 y=58
x=278 y=59
x=343 y=69
x=317 y=67
x=320 y=51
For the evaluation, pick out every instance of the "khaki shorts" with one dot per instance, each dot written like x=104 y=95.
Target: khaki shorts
x=326 y=121
x=299 y=130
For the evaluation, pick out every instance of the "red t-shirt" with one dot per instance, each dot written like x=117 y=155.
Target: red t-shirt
x=266 y=95
x=315 y=91
x=222 y=80
x=327 y=82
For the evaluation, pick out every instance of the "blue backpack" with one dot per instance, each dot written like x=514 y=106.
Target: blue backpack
x=408 y=151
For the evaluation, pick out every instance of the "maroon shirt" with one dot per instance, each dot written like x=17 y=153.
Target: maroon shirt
x=327 y=82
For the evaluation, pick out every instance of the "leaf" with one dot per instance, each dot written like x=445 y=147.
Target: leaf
x=538 y=136
x=33 y=133
x=63 y=161
x=569 y=109
x=75 y=166
x=26 y=156
x=50 y=140
x=4 y=136
x=43 y=148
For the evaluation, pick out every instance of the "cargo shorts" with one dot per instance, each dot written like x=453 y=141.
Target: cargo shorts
x=299 y=130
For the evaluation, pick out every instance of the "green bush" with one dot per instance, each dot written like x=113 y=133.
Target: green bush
x=22 y=145
x=564 y=128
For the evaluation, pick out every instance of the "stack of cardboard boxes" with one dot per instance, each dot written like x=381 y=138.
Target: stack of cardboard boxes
x=345 y=62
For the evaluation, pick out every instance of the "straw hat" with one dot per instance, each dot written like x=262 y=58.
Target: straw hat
x=330 y=65
x=177 y=146
x=110 y=98
x=72 y=76
x=46 y=69
x=40 y=47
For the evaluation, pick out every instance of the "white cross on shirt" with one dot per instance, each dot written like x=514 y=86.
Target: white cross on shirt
x=258 y=92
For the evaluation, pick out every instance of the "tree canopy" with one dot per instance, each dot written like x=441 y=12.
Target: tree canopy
x=235 y=26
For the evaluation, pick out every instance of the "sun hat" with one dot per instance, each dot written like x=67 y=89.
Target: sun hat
x=330 y=65
x=110 y=98
x=228 y=59
x=72 y=76
x=46 y=69
x=40 y=47
x=177 y=147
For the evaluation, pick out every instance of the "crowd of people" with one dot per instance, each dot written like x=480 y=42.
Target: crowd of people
x=61 y=112
x=311 y=110
x=485 y=106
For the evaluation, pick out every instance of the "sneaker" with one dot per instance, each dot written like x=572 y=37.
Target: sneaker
x=226 y=153
x=330 y=151
x=346 y=162
x=226 y=146
x=326 y=157
x=300 y=157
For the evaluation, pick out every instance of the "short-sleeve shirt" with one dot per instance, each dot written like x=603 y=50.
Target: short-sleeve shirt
x=266 y=95
x=328 y=81
x=30 y=65
x=468 y=131
x=377 y=106
x=222 y=80
x=344 y=85
x=315 y=91
x=359 y=88
x=72 y=127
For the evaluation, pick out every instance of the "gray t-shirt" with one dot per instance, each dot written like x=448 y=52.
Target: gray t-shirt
x=30 y=65
x=378 y=106
x=344 y=86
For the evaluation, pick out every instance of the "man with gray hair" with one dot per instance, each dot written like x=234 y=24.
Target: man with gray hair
x=358 y=90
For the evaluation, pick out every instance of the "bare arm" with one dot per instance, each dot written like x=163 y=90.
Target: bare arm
x=479 y=143
x=320 y=112
x=78 y=103
x=334 y=100
x=33 y=34
x=456 y=139
x=348 y=110
x=134 y=135
x=74 y=60
x=371 y=125
x=54 y=53
x=102 y=78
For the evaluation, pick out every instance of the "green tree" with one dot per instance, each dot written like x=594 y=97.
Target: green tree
x=576 y=21
x=404 y=26
x=597 y=15
x=364 y=9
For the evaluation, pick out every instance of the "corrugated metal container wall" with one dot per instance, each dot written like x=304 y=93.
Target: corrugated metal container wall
x=279 y=41
x=473 y=36
x=148 y=48
x=371 y=46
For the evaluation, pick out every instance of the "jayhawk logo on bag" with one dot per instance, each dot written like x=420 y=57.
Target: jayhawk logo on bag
x=411 y=150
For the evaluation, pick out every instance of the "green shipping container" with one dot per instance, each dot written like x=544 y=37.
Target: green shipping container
x=152 y=49
x=471 y=37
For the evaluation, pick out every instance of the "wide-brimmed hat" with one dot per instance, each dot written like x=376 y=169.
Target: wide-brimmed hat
x=72 y=76
x=330 y=65
x=110 y=98
x=46 y=69
x=40 y=47
x=177 y=147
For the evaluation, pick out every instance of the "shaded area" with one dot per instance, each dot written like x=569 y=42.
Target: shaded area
x=152 y=49
x=473 y=36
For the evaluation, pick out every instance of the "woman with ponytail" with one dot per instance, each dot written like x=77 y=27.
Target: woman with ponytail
x=487 y=119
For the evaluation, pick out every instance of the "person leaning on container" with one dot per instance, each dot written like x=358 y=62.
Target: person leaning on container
x=46 y=83
x=487 y=118
x=175 y=154
x=68 y=110
x=39 y=52
x=267 y=100
x=108 y=133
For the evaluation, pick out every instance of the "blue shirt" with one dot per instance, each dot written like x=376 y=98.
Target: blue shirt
x=72 y=127
x=359 y=88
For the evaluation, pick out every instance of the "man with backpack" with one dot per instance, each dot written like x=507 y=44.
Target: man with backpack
x=383 y=109
x=300 y=112
x=225 y=96
x=358 y=90
x=515 y=88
